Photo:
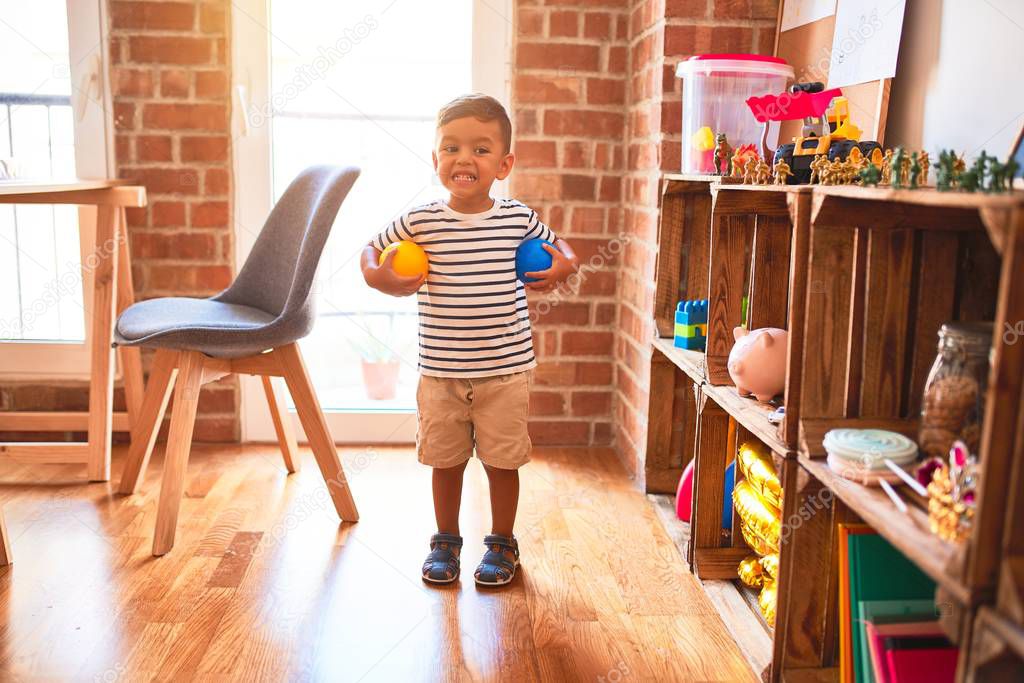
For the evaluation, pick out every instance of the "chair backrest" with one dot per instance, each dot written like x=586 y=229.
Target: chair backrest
x=278 y=274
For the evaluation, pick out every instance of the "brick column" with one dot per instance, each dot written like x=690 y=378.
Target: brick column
x=171 y=76
x=661 y=33
x=569 y=80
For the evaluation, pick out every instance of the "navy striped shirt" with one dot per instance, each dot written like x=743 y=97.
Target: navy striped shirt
x=473 y=315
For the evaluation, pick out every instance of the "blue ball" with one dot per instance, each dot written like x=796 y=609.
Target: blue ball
x=730 y=479
x=531 y=257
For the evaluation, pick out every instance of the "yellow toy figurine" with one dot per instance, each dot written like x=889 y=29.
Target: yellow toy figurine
x=905 y=171
x=764 y=172
x=703 y=144
x=816 y=168
x=782 y=172
x=886 y=168
x=924 y=161
x=748 y=172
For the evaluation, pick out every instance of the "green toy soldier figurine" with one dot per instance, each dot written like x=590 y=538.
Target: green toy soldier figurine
x=997 y=176
x=980 y=168
x=915 y=170
x=969 y=181
x=869 y=175
x=723 y=156
x=897 y=168
x=1010 y=169
x=944 y=171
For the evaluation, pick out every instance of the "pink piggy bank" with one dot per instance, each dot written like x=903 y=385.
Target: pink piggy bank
x=757 y=362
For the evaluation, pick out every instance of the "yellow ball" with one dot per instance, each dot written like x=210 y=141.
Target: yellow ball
x=410 y=259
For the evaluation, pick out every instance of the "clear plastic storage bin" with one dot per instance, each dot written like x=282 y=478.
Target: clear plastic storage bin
x=715 y=90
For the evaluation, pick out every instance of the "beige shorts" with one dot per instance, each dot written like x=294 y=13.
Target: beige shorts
x=454 y=414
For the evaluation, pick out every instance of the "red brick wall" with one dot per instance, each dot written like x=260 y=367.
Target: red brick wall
x=568 y=98
x=170 y=77
x=661 y=32
x=597 y=115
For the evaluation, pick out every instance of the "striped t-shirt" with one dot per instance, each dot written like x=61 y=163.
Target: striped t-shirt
x=473 y=315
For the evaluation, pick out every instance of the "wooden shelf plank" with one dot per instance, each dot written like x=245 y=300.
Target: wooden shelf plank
x=925 y=196
x=908 y=533
x=750 y=596
x=746 y=627
x=690 y=362
x=700 y=178
x=719 y=563
x=830 y=675
x=750 y=413
x=744 y=624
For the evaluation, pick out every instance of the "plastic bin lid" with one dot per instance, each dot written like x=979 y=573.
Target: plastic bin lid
x=732 y=62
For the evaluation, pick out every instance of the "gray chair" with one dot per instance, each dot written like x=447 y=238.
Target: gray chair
x=252 y=328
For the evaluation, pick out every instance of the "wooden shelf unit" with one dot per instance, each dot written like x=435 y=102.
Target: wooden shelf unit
x=862 y=265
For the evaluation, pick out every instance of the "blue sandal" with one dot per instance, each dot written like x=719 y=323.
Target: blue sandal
x=495 y=569
x=442 y=564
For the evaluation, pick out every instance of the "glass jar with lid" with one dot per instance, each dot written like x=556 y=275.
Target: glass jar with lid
x=954 y=395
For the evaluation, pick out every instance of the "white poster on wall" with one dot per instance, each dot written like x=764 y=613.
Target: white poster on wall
x=799 y=12
x=866 y=41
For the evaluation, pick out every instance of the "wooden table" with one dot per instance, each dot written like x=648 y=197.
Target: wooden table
x=112 y=293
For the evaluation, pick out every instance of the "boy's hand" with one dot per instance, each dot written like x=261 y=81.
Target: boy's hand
x=383 y=278
x=562 y=266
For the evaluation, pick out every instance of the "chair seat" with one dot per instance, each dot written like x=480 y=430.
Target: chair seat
x=186 y=323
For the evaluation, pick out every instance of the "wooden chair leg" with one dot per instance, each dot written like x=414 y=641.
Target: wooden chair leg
x=315 y=424
x=179 y=442
x=146 y=428
x=282 y=424
x=5 y=542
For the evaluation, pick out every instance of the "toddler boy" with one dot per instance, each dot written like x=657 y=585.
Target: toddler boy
x=476 y=351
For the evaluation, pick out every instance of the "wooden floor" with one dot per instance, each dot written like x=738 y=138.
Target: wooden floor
x=264 y=584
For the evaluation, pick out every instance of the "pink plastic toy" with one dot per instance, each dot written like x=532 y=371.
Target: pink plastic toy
x=757 y=362
x=684 y=494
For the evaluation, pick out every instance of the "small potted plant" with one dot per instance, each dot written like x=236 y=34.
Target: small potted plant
x=379 y=363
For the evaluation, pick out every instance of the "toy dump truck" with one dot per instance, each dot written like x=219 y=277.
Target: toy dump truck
x=827 y=128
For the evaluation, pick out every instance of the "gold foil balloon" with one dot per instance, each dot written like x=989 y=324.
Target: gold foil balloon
x=759 y=518
x=756 y=543
x=758 y=468
x=767 y=600
x=751 y=572
x=770 y=565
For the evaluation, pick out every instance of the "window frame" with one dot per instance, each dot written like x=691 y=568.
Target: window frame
x=94 y=158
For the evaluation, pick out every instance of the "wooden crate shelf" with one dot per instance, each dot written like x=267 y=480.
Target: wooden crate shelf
x=941 y=560
x=753 y=415
x=997 y=649
x=862 y=278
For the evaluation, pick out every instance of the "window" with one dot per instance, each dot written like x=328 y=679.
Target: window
x=361 y=85
x=53 y=124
